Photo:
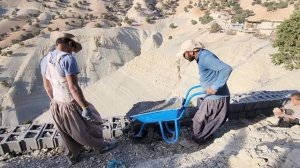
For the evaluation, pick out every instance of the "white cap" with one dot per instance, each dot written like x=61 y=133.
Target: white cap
x=189 y=45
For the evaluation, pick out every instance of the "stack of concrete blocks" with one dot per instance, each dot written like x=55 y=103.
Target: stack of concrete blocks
x=113 y=126
x=46 y=137
x=38 y=136
x=13 y=142
x=253 y=104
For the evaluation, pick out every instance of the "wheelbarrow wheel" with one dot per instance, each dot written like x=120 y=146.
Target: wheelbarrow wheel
x=147 y=136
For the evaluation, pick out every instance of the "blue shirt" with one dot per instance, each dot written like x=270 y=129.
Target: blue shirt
x=213 y=73
x=68 y=64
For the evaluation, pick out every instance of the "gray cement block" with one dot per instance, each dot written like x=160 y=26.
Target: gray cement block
x=251 y=114
x=107 y=131
x=236 y=107
x=249 y=106
x=46 y=138
x=117 y=132
x=30 y=138
x=58 y=141
x=3 y=149
x=12 y=142
x=5 y=130
x=36 y=127
x=233 y=115
x=49 y=126
x=259 y=105
x=242 y=114
x=21 y=128
x=268 y=111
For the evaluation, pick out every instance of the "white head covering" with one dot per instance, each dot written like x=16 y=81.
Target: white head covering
x=189 y=45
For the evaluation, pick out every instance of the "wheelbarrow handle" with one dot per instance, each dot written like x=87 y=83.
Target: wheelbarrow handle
x=188 y=92
x=187 y=102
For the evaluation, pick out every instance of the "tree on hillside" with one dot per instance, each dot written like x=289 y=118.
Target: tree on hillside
x=297 y=5
x=206 y=18
x=138 y=7
x=287 y=41
x=215 y=27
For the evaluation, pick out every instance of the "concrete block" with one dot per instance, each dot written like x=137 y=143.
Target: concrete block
x=251 y=114
x=46 y=138
x=268 y=111
x=106 y=129
x=126 y=122
x=36 y=127
x=30 y=138
x=12 y=142
x=58 y=141
x=233 y=115
x=49 y=126
x=21 y=128
x=3 y=148
x=258 y=105
x=274 y=103
x=249 y=106
x=5 y=130
x=242 y=114
x=117 y=132
x=258 y=112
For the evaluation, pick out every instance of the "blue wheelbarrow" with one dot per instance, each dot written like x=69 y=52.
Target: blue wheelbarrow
x=166 y=117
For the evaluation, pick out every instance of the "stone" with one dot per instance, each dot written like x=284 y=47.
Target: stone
x=35 y=153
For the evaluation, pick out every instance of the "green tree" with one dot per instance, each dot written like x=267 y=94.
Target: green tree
x=297 y=5
x=138 y=7
x=172 y=26
x=215 y=27
x=287 y=41
x=98 y=25
x=148 y=19
x=185 y=9
x=194 y=22
x=206 y=18
x=75 y=5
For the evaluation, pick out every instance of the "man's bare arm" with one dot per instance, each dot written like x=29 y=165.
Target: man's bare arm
x=76 y=90
x=48 y=87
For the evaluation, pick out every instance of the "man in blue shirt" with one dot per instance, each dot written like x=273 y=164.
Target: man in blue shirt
x=213 y=73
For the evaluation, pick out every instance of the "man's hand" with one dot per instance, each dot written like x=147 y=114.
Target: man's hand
x=278 y=112
x=87 y=113
x=211 y=91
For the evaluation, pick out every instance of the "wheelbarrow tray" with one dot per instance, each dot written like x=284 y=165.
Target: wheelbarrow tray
x=157 y=116
x=166 y=117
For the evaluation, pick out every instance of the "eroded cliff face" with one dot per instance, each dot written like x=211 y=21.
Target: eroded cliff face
x=123 y=66
x=104 y=51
